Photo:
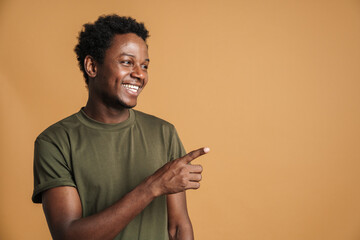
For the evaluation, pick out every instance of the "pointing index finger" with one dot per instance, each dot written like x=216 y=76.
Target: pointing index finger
x=195 y=154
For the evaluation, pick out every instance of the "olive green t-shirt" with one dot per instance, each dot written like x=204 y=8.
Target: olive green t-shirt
x=106 y=161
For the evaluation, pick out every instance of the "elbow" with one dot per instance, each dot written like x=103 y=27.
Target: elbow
x=181 y=231
x=172 y=229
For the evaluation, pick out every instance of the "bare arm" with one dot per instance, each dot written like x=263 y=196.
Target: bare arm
x=63 y=209
x=63 y=212
x=180 y=227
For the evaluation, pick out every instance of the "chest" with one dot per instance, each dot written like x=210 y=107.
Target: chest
x=111 y=164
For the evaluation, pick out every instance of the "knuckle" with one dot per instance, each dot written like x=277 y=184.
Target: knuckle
x=183 y=171
x=178 y=164
x=176 y=161
x=184 y=183
x=192 y=154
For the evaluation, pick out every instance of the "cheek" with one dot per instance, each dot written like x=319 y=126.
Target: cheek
x=146 y=81
x=120 y=73
x=119 y=77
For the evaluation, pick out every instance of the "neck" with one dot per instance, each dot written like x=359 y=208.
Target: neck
x=105 y=114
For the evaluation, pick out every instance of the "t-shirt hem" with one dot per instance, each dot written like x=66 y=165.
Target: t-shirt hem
x=36 y=197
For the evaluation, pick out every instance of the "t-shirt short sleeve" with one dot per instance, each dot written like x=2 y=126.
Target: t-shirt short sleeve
x=50 y=168
x=177 y=149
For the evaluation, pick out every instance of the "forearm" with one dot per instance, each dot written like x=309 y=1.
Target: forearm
x=109 y=222
x=180 y=227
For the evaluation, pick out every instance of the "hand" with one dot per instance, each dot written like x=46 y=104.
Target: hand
x=178 y=175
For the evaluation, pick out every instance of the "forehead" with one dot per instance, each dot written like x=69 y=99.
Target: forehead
x=128 y=43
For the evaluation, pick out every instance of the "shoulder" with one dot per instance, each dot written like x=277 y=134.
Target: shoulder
x=160 y=132
x=148 y=119
x=60 y=129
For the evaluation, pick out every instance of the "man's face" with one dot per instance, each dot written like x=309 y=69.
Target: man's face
x=123 y=73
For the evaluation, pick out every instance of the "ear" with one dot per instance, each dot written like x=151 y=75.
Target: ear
x=90 y=66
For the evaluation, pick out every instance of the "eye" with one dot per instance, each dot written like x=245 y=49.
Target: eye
x=126 y=63
x=144 y=67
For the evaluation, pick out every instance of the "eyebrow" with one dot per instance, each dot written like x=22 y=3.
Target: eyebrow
x=130 y=55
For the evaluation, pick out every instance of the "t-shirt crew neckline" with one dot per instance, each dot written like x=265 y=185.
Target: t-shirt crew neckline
x=92 y=123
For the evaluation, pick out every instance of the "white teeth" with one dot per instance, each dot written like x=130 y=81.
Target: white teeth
x=132 y=88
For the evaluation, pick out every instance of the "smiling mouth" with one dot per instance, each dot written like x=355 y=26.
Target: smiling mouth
x=131 y=88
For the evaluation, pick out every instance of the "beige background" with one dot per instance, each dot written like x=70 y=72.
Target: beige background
x=271 y=86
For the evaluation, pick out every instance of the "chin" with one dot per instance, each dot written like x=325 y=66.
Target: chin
x=119 y=104
x=126 y=104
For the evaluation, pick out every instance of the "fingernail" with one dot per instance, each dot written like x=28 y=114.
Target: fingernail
x=206 y=150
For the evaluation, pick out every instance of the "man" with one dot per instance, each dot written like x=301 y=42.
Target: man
x=108 y=171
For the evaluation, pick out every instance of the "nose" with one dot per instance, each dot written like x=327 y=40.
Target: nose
x=138 y=72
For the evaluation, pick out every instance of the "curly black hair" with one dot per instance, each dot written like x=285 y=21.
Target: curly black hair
x=95 y=39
